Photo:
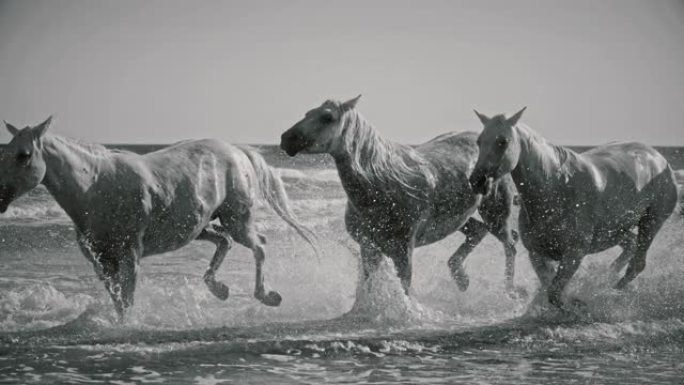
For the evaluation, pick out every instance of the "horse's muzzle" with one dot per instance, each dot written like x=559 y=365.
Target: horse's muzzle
x=7 y=195
x=292 y=143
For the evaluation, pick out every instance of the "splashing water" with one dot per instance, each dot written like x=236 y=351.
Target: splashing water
x=381 y=300
x=58 y=325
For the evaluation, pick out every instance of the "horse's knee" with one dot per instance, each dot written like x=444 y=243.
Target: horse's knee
x=259 y=254
x=458 y=273
x=638 y=264
x=262 y=238
x=510 y=250
x=224 y=244
x=454 y=263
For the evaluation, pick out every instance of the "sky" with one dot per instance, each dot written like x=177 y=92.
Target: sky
x=158 y=71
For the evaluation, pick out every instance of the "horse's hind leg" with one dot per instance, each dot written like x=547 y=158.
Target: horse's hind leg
x=223 y=244
x=628 y=242
x=474 y=231
x=649 y=225
x=241 y=228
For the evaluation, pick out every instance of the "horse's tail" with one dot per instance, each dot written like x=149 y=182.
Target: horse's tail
x=271 y=188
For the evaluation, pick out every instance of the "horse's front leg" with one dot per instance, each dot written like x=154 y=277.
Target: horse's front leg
x=120 y=265
x=474 y=231
x=566 y=270
x=370 y=258
x=87 y=250
x=402 y=255
x=370 y=254
x=545 y=273
x=628 y=242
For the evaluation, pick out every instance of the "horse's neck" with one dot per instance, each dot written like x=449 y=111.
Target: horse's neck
x=351 y=176
x=71 y=170
x=353 y=156
x=540 y=170
x=375 y=171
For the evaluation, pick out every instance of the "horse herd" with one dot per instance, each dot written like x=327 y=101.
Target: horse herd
x=127 y=206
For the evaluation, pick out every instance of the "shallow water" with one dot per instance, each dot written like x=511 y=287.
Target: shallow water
x=57 y=324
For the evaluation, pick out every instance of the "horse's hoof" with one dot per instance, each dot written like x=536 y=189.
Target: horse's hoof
x=272 y=299
x=219 y=290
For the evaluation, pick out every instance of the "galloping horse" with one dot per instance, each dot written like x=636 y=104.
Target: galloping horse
x=577 y=204
x=400 y=197
x=127 y=206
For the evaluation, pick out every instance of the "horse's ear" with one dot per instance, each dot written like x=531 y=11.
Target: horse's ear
x=483 y=118
x=513 y=120
x=12 y=130
x=39 y=130
x=351 y=103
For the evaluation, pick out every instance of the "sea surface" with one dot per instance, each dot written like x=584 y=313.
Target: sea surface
x=57 y=324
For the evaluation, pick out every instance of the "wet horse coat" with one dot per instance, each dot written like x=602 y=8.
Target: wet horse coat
x=400 y=197
x=577 y=204
x=127 y=206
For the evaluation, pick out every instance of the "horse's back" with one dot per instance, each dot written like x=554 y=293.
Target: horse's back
x=630 y=161
x=455 y=150
x=629 y=179
x=193 y=149
x=184 y=185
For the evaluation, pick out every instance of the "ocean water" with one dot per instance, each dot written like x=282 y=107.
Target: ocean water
x=57 y=324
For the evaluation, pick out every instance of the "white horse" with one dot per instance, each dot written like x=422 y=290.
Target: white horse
x=577 y=204
x=127 y=206
x=402 y=197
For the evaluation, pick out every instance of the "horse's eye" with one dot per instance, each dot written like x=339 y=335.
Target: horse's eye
x=502 y=142
x=24 y=157
x=327 y=117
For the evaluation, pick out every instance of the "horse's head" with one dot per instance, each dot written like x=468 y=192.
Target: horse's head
x=319 y=130
x=22 y=166
x=499 y=150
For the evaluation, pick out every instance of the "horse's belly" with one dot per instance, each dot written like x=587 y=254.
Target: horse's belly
x=437 y=228
x=174 y=229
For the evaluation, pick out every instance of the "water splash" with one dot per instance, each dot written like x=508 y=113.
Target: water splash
x=39 y=306
x=381 y=300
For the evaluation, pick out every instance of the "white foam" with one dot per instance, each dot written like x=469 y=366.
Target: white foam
x=325 y=175
x=381 y=300
x=38 y=306
x=46 y=210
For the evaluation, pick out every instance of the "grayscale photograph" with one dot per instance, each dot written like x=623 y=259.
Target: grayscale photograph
x=342 y=192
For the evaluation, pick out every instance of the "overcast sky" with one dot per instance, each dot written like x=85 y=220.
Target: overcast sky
x=590 y=71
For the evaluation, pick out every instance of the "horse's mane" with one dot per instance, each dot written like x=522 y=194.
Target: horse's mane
x=381 y=162
x=560 y=153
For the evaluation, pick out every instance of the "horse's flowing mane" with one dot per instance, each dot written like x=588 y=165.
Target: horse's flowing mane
x=560 y=153
x=381 y=162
